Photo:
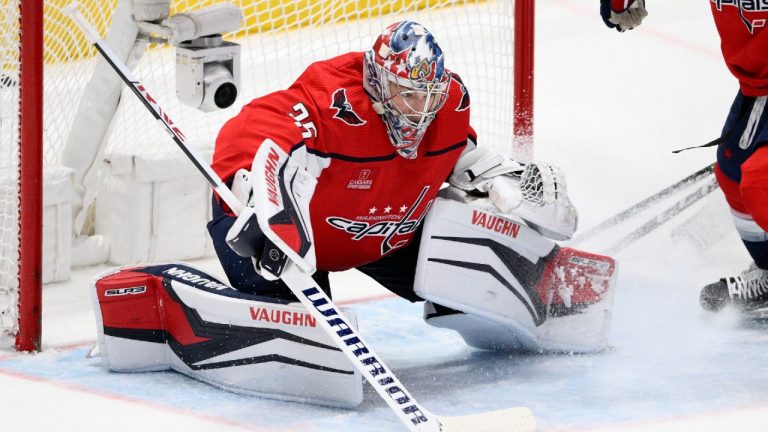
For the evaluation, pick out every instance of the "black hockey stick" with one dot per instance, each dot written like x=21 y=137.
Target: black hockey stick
x=714 y=142
x=639 y=206
x=415 y=417
x=672 y=211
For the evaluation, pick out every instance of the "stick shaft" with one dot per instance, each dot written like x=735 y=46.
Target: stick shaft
x=672 y=211
x=635 y=208
x=380 y=376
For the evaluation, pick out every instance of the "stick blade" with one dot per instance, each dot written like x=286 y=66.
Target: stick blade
x=506 y=420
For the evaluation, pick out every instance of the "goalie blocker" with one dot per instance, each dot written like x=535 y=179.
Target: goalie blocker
x=509 y=287
x=173 y=316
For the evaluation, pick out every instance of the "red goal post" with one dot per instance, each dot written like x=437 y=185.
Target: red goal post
x=30 y=206
x=46 y=70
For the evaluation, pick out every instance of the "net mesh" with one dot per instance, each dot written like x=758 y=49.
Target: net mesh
x=275 y=52
x=543 y=184
x=68 y=65
x=9 y=161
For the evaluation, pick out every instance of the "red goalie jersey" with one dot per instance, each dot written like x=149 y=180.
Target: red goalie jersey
x=742 y=28
x=369 y=201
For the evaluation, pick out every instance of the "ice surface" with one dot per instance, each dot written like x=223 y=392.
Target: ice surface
x=609 y=109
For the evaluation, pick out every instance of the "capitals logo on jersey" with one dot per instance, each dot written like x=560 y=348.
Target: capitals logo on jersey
x=396 y=225
x=746 y=8
x=344 y=111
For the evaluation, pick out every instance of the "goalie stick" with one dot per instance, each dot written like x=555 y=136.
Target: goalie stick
x=637 y=207
x=411 y=413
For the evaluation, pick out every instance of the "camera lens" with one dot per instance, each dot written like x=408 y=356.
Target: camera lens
x=225 y=95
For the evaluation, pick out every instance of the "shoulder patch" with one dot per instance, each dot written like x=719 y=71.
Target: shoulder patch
x=464 y=103
x=344 y=111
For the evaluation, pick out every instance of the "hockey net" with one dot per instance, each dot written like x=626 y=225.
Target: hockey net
x=279 y=38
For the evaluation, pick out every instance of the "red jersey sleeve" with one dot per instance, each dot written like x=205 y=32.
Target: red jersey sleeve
x=279 y=116
x=744 y=37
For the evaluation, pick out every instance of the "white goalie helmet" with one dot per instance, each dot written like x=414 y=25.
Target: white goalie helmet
x=405 y=76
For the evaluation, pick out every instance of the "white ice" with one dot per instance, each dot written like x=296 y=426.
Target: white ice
x=609 y=109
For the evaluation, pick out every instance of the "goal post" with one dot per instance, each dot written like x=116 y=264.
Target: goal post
x=49 y=110
x=525 y=12
x=30 y=176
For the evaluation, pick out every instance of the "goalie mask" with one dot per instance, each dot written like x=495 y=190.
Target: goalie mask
x=405 y=77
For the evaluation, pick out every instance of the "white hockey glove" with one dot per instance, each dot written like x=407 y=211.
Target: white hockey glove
x=623 y=14
x=274 y=225
x=246 y=238
x=535 y=192
x=477 y=171
x=546 y=206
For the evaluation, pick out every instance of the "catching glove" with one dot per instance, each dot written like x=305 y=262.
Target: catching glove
x=535 y=192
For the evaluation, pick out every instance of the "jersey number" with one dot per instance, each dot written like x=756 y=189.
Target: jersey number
x=299 y=114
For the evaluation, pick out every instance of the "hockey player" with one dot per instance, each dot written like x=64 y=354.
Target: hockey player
x=378 y=133
x=339 y=171
x=742 y=156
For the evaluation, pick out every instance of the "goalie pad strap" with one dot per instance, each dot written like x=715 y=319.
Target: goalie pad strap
x=482 y=166
x=478 y=165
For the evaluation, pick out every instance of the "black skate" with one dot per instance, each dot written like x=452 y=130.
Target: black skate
x=747 y=292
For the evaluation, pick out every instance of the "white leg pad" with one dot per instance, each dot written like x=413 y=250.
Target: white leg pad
x=173 y=316
x=516 y=288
